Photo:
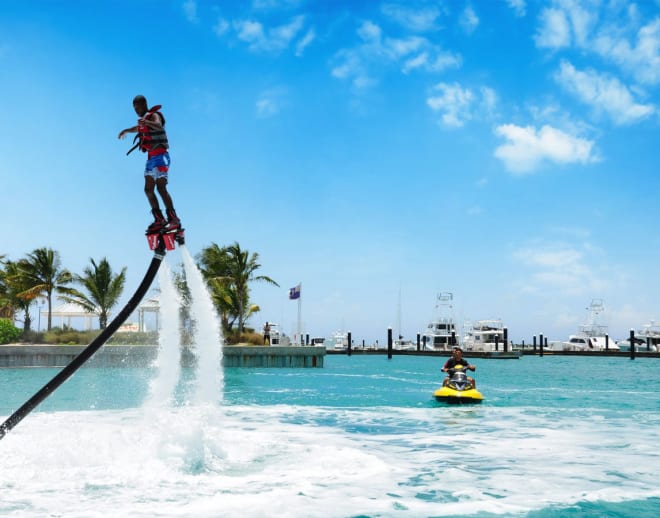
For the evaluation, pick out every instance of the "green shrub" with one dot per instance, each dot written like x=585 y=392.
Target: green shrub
x=69 y=336
x=125 y=338
x=8 y=331
x=249 y=337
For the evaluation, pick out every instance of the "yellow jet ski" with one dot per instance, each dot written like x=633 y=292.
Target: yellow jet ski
x=458 y=389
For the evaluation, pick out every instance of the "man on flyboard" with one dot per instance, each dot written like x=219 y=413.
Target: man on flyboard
x=152 y=139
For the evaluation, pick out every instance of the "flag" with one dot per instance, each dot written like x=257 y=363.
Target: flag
x=294 y=293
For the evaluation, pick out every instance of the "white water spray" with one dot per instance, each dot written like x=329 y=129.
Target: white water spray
x=208 y=335
x=168 y=362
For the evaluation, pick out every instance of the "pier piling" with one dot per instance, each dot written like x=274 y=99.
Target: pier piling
x=541 y=344
x=632 y=344
x=389 y=343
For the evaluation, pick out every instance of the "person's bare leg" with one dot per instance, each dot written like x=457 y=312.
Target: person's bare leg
x=159 y=219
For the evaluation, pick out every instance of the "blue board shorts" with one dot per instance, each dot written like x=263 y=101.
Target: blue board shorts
x=157 y=166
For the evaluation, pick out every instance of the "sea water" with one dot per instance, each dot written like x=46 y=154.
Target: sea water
x=556 y=436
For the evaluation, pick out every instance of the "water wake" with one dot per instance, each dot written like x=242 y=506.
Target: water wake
x=168 y=362
x=208 y=338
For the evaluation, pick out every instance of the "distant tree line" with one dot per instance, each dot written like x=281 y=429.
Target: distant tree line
x=228 y=271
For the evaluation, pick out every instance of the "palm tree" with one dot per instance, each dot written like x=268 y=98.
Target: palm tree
x=6 y=309
x=44 y=275
x=229 y=271
x=214 y=265
x=15 y=283
x=104 y=289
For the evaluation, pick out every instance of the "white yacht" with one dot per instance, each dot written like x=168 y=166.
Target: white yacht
x=646 y=339
x=443 y=325
x=592 y=335
x=338 y=341
x=482 y=335
x=403 y=344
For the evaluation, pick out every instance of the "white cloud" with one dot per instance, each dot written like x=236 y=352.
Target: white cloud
x=221 y=27
x=570 y=269
x=190 y=11
x=469 y=19
x=603 y=93
x=453 y=102
x=275 y=4
x=613 y=30
x=250 y=31
x=399 y=47
x=351 y=68
x=554 y=31
x=270 y=102
x=274 y=39
x=641 y=59
x=583 y=15
x=489 y=100
x=419 y=20
x=526 y=148
x=412 y=53
x=370 y=32
x=457 y=105
x=519 y=7
x=305 y=41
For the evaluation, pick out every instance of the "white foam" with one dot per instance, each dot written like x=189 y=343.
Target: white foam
x=257 y=460
x=168 y=361
x=207 y=337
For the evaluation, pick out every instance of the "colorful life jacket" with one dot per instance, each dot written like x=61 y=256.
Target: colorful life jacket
x=149 y=139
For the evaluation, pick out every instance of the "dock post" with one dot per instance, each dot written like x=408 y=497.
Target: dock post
x=648 y=344
x=607 y=342
x=389 y=343
x=506 y=339
x=534 y=344
x=541 y=344
x=418 y=341
x=522 y=347
x=453 y=338
x=307 y=339
x=632 y=344
x=350 y=345
x=497 y=343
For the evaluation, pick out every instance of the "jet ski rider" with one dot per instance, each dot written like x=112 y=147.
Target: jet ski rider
x=457 y=359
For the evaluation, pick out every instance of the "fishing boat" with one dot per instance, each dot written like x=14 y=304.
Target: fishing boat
x=483 y=336
x=592 y=335
x=646 y=339
x=441 y=332
x=338 y=341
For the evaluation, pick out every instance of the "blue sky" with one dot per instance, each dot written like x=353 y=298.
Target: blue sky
x=503 y=150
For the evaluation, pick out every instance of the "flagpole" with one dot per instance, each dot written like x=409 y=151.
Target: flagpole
x=299 y=313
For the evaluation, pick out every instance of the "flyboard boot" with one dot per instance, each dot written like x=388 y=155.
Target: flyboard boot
x=174 y=226
x=156 y=229
x=159 y=223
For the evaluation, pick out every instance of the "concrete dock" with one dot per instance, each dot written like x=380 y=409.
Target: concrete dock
x=19 y=355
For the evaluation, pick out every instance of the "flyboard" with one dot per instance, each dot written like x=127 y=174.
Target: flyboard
x=159 y=243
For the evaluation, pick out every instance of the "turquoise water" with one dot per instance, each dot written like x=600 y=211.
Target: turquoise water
x=556 y=436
